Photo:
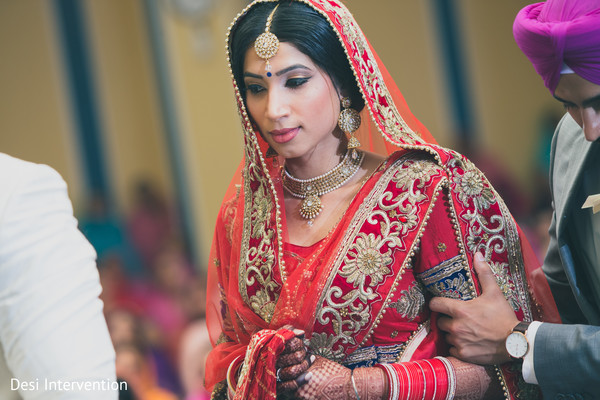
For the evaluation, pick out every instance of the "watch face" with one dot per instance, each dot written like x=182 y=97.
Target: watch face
x=517 y=345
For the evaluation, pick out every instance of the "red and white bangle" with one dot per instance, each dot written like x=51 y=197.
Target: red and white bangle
x=393 y=381
x=420 y=380
x=451 y=377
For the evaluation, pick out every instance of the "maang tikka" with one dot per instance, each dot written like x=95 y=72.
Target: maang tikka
x=349 y=122
x=267 y=44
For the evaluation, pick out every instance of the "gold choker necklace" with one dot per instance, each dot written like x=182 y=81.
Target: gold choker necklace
x=310 y=189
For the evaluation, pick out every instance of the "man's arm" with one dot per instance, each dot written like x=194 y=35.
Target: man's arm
x=52 y=328
x=567 y=359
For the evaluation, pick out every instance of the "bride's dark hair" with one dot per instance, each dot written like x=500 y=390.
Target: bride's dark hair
x=296 y=23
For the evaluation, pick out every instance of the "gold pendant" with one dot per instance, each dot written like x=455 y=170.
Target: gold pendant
x=353 y=143
x=311 y=206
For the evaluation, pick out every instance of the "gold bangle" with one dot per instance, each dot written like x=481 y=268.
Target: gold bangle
x=230 y=387
x=354 y=384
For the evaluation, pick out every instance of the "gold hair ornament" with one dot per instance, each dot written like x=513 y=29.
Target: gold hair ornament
x=267 y=44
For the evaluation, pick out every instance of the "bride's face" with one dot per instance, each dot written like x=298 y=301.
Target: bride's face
x=297 y=107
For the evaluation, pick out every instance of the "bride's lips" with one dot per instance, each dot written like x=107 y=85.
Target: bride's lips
x=284 y=135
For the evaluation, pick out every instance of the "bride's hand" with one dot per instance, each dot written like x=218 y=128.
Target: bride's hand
x=292 y=363
x=328 y=380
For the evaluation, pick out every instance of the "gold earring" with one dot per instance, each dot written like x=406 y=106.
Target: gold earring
x=349 y=122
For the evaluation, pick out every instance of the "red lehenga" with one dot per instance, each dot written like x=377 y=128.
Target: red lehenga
x=410 y=233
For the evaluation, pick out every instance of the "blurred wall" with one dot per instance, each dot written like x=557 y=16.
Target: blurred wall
x=36 y=117
x=509 y=97
x=127 y=97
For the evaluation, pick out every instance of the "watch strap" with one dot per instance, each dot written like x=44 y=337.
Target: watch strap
x=522 y=327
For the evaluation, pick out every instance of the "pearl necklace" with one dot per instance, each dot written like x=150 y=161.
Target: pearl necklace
x=310 y=189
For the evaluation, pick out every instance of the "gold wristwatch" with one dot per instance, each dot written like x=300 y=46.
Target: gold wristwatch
x=516 y=343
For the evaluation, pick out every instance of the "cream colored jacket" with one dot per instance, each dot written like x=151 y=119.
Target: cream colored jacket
x=52 y=330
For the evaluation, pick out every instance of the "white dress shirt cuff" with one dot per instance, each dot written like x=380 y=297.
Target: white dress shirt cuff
x=528 y=369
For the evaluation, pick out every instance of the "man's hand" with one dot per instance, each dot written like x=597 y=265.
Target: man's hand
x=476 y=329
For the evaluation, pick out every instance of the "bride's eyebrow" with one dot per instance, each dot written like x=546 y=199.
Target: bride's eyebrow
x=291 y=68
x=278 y=73
x=251 y=75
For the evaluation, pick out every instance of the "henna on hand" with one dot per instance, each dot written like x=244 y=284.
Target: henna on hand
x=293 y=361
x=327 y=380
x=371 y=384
x=289 y=359
x=475 y=382
x=294 y=371
x=294 y=344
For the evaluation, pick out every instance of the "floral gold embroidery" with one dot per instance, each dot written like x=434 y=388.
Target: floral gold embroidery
x=321 y=344
x=260 y=212
x=258 y=256
x=471 y=186
x=354 y=290
x=413 y=171
x=441 y=247
x=262 y=304
x=367 y=261
x=411 y=302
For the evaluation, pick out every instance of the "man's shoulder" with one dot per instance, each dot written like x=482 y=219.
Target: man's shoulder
x=568 y=141
x=18 y=176
x=15 y=170
x=569 y=134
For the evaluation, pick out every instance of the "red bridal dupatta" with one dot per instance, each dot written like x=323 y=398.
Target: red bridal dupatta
x=252 y=288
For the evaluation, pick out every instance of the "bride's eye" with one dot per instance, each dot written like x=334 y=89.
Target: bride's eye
x=296 y=82
x=254 y=88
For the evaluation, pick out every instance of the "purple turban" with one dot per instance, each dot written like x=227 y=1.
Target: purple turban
x=559 y=32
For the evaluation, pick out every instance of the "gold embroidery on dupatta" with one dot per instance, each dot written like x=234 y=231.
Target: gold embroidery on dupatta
x=364 y=259
x=498 y=234
x=257 y=261
x=230 y=214
x=516 y=265
x=381 y=105
x=506 y=284
x=461 y=244
x=223 y=339
x=258 y=254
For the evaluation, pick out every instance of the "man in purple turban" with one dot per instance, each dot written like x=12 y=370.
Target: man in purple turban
x=561 y=38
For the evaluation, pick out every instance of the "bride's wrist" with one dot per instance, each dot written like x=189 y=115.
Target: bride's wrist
x=371 y=384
